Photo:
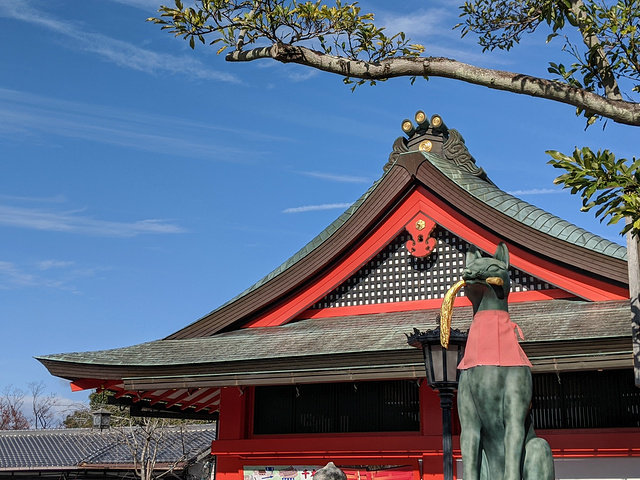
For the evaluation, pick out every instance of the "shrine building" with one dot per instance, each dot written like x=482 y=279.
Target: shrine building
x=311 y=364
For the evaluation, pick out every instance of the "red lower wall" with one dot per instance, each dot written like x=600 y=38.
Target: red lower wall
x=419 y=452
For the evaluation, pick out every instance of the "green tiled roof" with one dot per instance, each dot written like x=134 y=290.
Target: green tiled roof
x=484 y=191
x=526 y=213
x=540 y=321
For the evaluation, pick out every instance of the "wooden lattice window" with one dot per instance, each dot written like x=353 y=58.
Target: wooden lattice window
x=605 y=399
x=338 y=407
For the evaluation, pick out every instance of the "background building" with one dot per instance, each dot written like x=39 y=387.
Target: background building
x=85 y=453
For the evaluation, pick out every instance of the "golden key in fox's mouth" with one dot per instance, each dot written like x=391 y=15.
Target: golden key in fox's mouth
x=446 y=309
x=446 y=312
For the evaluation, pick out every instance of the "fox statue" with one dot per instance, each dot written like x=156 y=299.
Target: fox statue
x=494 y=394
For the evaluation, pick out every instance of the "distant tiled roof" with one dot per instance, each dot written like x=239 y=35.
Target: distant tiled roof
x=74 y=448
x=554 y=320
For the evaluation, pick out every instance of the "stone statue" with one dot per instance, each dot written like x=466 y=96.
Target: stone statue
x=494 y=394
x=329 y=472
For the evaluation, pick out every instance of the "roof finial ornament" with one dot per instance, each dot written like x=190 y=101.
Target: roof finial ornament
x=434 y=137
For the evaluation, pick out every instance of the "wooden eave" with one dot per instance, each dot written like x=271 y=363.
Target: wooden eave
x=560 y=335
x=412 y=170
x=546 y=357
x=386 y=194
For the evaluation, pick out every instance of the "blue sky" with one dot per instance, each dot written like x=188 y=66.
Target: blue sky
x=143 y=184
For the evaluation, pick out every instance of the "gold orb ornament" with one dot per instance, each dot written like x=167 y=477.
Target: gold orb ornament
x=425 y=146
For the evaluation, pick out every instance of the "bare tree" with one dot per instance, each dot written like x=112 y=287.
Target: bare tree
x=42 y=406
x=11 y=415
x=145 y=438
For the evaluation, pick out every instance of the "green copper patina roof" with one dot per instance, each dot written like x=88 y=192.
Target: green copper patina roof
x=484 y=191
x=524 y=212
x=477 y=185
x=555 y=320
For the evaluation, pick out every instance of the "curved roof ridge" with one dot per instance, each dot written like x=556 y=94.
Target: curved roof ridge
x=308 y=248
x=534 y=217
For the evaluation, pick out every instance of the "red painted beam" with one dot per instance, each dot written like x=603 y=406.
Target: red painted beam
x=564 y=444
x=91 y=383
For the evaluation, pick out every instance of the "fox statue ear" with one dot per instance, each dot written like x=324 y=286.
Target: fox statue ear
x=502 y=254
x=472 y=254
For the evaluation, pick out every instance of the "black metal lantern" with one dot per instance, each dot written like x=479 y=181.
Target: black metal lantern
x=441 y=365
x=101 y=418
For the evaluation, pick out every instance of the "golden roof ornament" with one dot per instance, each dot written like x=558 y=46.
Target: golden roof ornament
x=432 y=136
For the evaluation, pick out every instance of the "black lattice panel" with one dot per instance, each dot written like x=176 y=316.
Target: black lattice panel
x=394 y=275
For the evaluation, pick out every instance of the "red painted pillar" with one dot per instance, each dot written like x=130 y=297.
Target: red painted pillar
x=229 y=468
x=430 y=412
x=233 y=424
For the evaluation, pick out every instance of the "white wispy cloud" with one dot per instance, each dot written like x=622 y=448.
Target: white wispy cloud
x=51 y=273
x=535 y=191
x=49 y=264
x=122 y=53
x=152 y=5
x=433 y=28
x=17 y=276
x=73 y=222
x=303 y=76
x=24 y=115
x=312 y=208
x=336 y=177
x=418 y=25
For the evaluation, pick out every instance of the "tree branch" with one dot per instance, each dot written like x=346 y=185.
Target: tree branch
x=619 y=111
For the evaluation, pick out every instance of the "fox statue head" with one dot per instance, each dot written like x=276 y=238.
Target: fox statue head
x=487 y=282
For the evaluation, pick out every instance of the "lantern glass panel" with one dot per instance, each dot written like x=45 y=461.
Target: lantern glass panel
x=437 y=360
x=452 y=363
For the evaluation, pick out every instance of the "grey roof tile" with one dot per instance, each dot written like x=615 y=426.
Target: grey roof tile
x=70 y=448
x=542 y=320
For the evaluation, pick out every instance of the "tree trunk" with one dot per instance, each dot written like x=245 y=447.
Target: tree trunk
x=633 y=259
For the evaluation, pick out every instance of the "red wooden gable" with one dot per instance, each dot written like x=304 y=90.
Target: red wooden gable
x=567 y=282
